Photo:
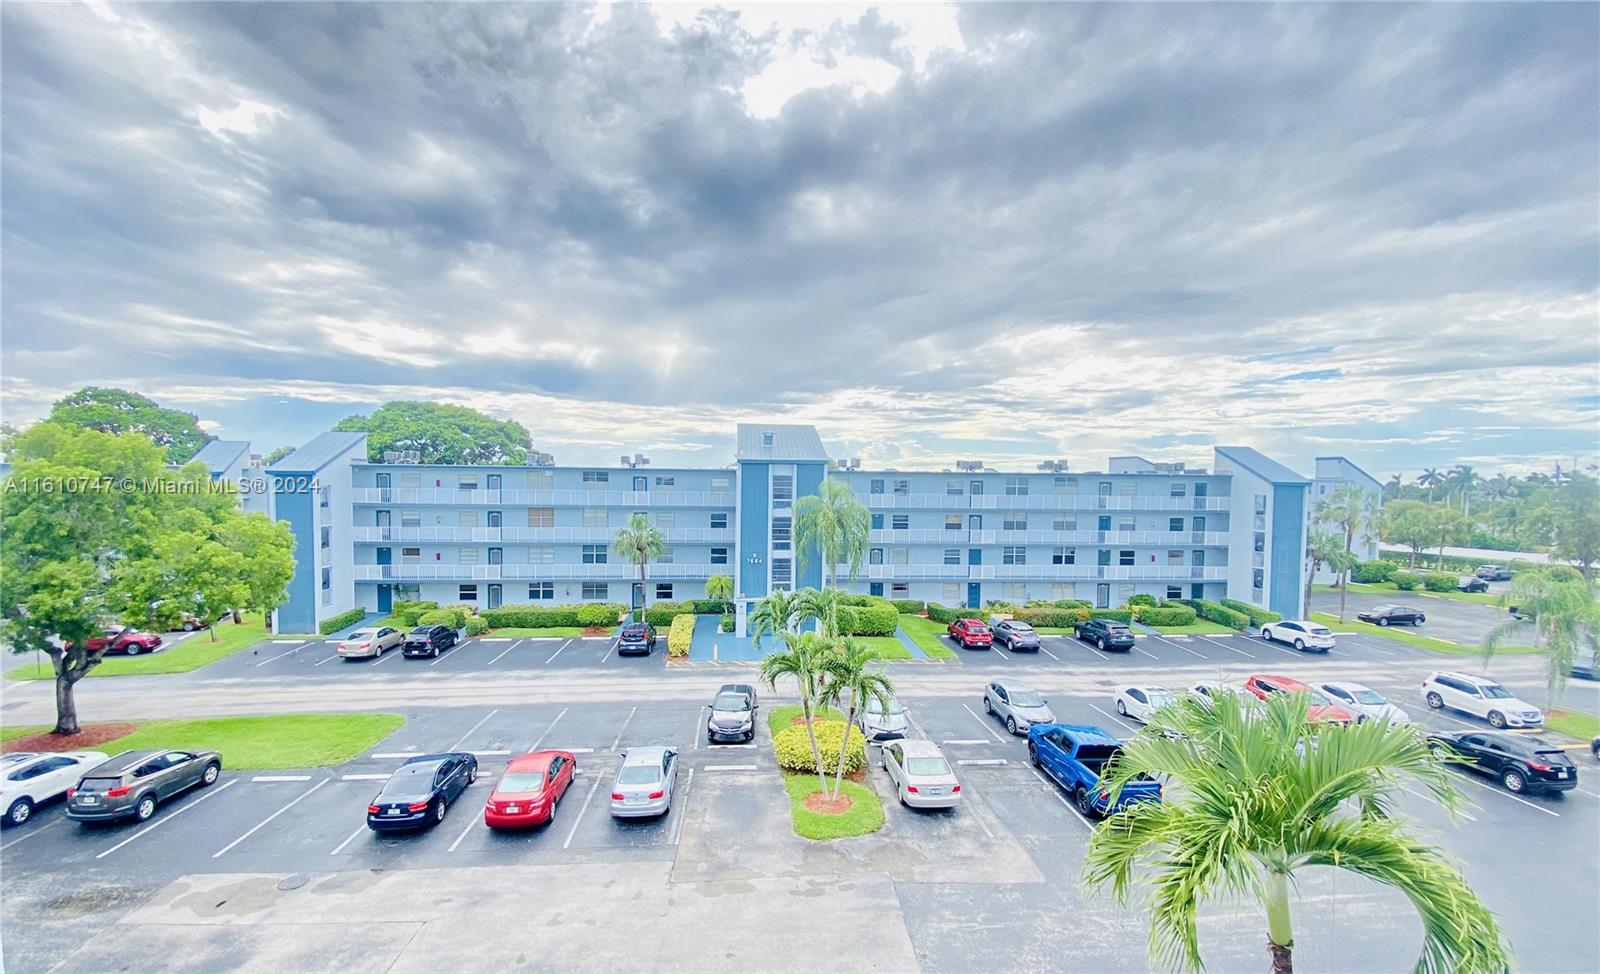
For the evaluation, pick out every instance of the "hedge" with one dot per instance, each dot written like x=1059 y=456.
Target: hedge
x=708 y=607
x=662 y=613
x=444 y=617
x=1166 y=615
x=406 y=612
x=532 y=616
x=792 y=747
x=1255 y=613
x=910 y=607
x=599 y=614
x=725 y=624
x=868 y=620
x=1404 y=580
x=334 y=624
x=1050 y=616
x=1373 y=572
x=939 y=613
x=477 y=625
x=1142 y=599
x=1220 y=614
x=1440 y=582
x=1115 y=615
x=680 y=633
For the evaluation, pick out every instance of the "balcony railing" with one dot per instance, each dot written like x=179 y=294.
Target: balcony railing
x=385 y=535
x=543 y=498
x=1048 y=572
x=961 y=537
x=1041 y=502
x=520 y=572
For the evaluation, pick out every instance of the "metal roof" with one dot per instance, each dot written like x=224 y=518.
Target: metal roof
x=323 y=449
x=789 y=442
x=1261 y=465
x=219 y=455
x=1349 y=465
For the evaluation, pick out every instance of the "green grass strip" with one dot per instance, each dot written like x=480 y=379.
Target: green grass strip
x=865 y=815
x=928 y=635
x=191 y=654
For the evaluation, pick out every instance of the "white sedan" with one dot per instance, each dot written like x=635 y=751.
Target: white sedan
x=922 y=778
x=33 y=779
x=1365 y=702
x=1139 y=702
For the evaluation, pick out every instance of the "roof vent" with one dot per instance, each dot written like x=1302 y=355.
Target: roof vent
x=766 y=439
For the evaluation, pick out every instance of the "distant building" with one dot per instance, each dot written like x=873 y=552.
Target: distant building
x=1331 y=472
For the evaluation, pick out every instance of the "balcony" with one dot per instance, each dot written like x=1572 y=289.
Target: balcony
x=904 y=573
x=638 y=499
x=381 y=535
x=1040 y=502
x=1159 y=539
x=521 y=572
x=1047 y=572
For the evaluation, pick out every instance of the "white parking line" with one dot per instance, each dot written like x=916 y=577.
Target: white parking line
x=330 y=659
x=30 y=835
x=981 y=722
x=1114 y=717
x=999 y=650
x=488 y=754
x=968 y=740
x=699 y=725
x=352 y=837
x=1136 y=649
x=281 y=777
x=1049 y=654
x=382 y=657
x=508 y=649
x=1506 y=794
x=553 y=655
x=611 y=649
x=547 y=730
x=387 y=755
x=1226 y=642
x=477 y=820
x=1056 y=791
x=1186 y=649
x=683 y=808
x=225 y=786
x=618 y=742
x=580 y=750
x=581 y=809
x=253 y=829
x=474 y=728
x=730 y=767
x=984 y=762
x=287 y=652
x=1429 y=798
x=444 y=655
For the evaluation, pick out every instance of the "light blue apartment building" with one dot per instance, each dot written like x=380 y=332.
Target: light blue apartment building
x=369 y=534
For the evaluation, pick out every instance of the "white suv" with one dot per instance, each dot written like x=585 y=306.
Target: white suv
x=1300 y=634
x=1481 y=697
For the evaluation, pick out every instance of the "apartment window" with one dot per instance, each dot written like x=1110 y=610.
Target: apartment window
x=1174 y=592
x=1065 y=524
x=1013 y=555
x=596 y=477
x=1260 y=541
x=1125 y=524
x=1258 y=579
x=594 y=554
x=901 y=522
x=325 y=497
x=1174 y=557
x=953 y=488
x=975 y=522
x=596 y=590
x=877 y=522
x=767 y=439
x=782 y=574
x=542 y=555
x=719 y=556
x=1103 y=488
x=327 y=579
x=952 y=522
x=411 y=480
x=666 y=483
x=663 y=590
x=975 y=488
x=1013 y=591
x=719 y=522
x=875 y=487
x=1066 y=485
x=1179 y=489
x=493 y=518
x=467 y=556
x=900 y=590
x=1102 y=557
x=594 y=517
x=1016 y=486
x=541 y=591
x=467 y=593
x=668 y=556
x=875 y=556
x=327 y=537
x=541 y=480
x=1125 y=556
x=1125 y=489
x=411 y=519
x=666 y=520
x=952 y=556
x=782 y=489
x=467 y=481
x=781 y=527
x=541 y=517
x=1063 y=590
x=1261 y=504
x=902 y=487
x=1064 y=556
x=467 y=519
x=410 y=556
x=721 y=483
x=1014 y=522
x=899 y=556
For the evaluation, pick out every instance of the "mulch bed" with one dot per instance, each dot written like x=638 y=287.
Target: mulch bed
x=89 y=737
x=823 y=805
x=597 y=631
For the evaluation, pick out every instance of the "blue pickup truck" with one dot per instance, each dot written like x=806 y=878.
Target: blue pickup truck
x=1073 y=755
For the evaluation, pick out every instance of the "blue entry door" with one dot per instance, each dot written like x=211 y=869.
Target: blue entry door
x=385 y=598
x=974 y=594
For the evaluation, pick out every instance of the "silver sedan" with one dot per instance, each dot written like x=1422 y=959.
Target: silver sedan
x=365 y=643
x=921 y=776
x=644 y=783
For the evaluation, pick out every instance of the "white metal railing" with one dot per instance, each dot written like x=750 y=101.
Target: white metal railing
x=1048 y=572
x=901 y=573
x=1041 y=502
x=964 y=536
x=543 y=497
x=446 y=533
x=469 y=573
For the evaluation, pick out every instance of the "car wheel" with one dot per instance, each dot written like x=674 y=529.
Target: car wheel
x=1420 y=620
x=439 y=810
x=988 y=707
x=1122 y=708
x=1383 y=621
x=472 y=776
x=1514 y=780
x=1300 y=645
x=1267 y=635
x=145 y=808
x=1594 y=746
x=1011 y=726
x=1101 y=642
x=1435 y=702
x=209 y=775
x=133 y=649
x=1497 y=720
x=19 y=811
x=1080 y=798
x=1440 y=752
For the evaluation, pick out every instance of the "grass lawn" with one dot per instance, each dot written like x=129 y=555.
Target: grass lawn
x=780 y=717
x=1411 y=638
x=191 y=654
x=928 y=635
x=270 y=743
x=549 y=632
x=1199 y=627
x=887 y=647
x=1573 y=723
x=7 y=733
x=864 y=816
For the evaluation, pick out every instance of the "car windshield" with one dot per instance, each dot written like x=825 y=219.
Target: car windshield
x=874 y=707
x=1495 y=691
x=1385 y=608
x=730 y=701
x=1369 y=697
x=1321 y=631
x=522 y=781
x=1160 y=698
x=422 y=630
x=1026 y=698
x=633 y=631
x=927 y=767
x=1021 y=627
x=362 y=634
x=1118 y=629
x=638 y=774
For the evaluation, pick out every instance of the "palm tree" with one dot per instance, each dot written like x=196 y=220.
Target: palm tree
x=1322 y=548
x=834 y=523
x=1354 y=511
x=1393 y=489
x=1464 y=478
x=821 y=605
x=1566 y=619
x=640 y=542
x=774 y=614
x=850 y=678
x=720 y=587
x=803 y=660
x=1257 y=793
x=1431 y=478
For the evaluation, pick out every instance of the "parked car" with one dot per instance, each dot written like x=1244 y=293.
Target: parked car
x=129 y=641
x=1140 y=702
x=132 y=784
x=1074 y=754
x=1018 y=706
x=428 y=641
x=1106 y=634
x=1319 y=710
x=1472 y=583
x=420 y=791
x=1015 y=635
x=1594 y=747
x=636 y=638
x=33 y=779
x=880 y=723
x=644 y=782
x=1519 y=762
x=371 y=642
x=1519 y=615
x=1493 y=573
x=1392 y=615
x=733 y=714
x=189 y=623
x=1208 y=690
x=1480 y=697
x=1365 y=702
x=921 y=776
x=528 y=793
x=971 y=633
x=1300 y=634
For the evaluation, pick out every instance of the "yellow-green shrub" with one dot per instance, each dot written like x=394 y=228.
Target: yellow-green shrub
x=679 y=635
x=793 y=749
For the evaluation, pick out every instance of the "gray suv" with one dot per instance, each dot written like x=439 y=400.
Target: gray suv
x=1017 y=706
x=132 y=784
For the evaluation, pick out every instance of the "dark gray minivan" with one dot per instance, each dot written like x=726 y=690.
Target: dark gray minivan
x=132 y=784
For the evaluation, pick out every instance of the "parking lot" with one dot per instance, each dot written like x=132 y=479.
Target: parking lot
x=1459 y=622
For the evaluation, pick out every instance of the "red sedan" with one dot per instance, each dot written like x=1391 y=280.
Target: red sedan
x=1321 y=710
x=132 y=642
x=527 y=794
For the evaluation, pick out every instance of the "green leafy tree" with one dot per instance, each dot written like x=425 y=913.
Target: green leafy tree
x=1322 y=548
x=184 y=568
x=1352 y=511
x=853 y=681
x=279 y=454
x=821 y=605
x=834 y=524
x=720 y=587
x=117 y=411
x=640 y=542
x=1577 y=525
x=1449 y=527
x=268 y=550
x=441 y=433
x=1257 y=793
x=1566 y=621
x=1410 y=525
x=803 y=660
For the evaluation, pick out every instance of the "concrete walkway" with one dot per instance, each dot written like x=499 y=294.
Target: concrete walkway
x=709 y=644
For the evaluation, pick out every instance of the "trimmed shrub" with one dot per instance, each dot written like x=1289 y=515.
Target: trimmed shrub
x=1142 y=599
x=1115 y=615
x=910 y=607
x=725 y=624
x=341 y=620
x=939 y=613
x=1440 y=582
x=707 y=607
x=1073 y=604
x=1255 y=613
x=1051 y=616
x=1220 y=614
x=1166 y=615
x=680 y=633
x=793 y=749
x=598 y=614
x=1404 y=580
x=1373 y=572
x=477 y=625
x=860 y=599
x=662 y=613
x=463 y=608
x=1558 y=573
x=423 y=605
x=868 y=620
x=440 y=617
x=532 y=616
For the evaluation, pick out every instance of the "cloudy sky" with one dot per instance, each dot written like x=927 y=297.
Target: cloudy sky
x=985 y=231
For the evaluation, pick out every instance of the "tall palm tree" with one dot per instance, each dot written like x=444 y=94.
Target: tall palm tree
x=851 y=679
x=1430 y=478
x=1261 y=793
x=836 y=524
x=821 y=605
x=1353 y=511
x=774 y=614
x=1393 y=489
x=1464 y=479
x=1566 y=620
x=803 y=660
x=1322 y=548
x=720 y=588
x=640 y=542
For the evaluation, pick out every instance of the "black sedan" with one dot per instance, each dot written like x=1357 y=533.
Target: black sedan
x=417 y=795
x=1105 y=633
x=1522 y=763
x=1393 y=615
x=1015 y=635
x=636 y=637
x=1472 y=583
x=428 y=641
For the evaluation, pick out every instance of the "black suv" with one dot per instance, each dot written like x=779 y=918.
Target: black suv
x=1105 y=633
x=428 y=641
x=1472 y=583
x=636 y=637
x=1521 y=763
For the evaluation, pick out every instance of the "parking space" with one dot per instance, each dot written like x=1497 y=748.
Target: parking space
x=1459 y=622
